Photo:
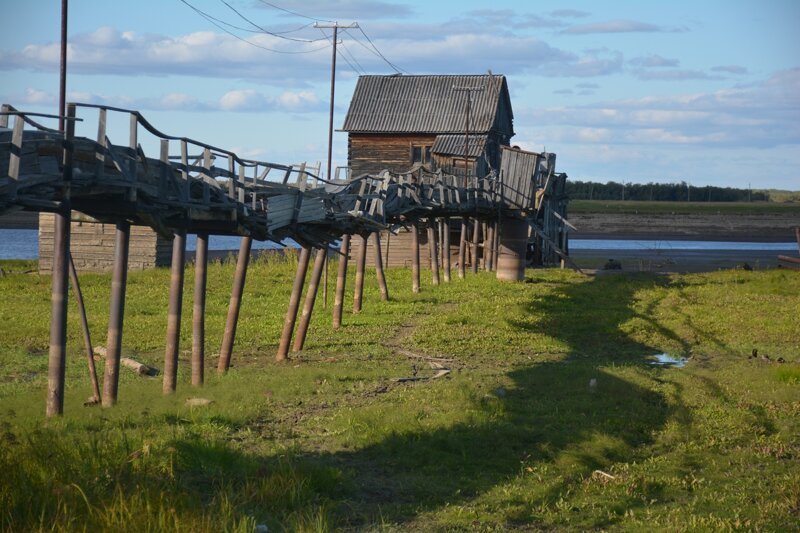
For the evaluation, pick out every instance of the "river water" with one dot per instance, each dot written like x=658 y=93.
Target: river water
x=24 y=244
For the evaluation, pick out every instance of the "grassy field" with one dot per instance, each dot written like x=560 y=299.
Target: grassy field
x=552 y=416
x=683 y=208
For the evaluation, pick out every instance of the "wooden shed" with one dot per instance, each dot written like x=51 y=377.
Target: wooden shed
x=395 y=122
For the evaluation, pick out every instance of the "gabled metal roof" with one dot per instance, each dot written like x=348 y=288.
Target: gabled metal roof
x=454 y=145
x=425 y=104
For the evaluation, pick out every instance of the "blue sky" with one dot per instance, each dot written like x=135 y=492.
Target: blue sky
x=702 y=91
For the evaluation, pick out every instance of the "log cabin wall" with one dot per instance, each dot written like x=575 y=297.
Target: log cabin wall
x=92 y=246
x=372 y=153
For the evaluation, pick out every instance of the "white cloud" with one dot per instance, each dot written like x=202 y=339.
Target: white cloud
x=674 y=75
x=243 y=100
x=569 y=13
x=339 y=9
x=654 y=60
x=730 y=69
x=765 y=115
x=614 y=26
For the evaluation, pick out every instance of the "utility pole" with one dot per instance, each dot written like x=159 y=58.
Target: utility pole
x=62 y=79
x=463 y=244
x=335 y=26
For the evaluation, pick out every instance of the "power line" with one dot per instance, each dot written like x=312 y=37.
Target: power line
x=293 y=12
x=398 y=70
x=348 y=52
x=265 y=30
x=374 y=50
x=212 y=21
x=353 y=68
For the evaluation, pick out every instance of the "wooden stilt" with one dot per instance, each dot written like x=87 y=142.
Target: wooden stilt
x=341 y=281
x=361 y=263
x=57 y=361
x=462 y=250
x=226 y=351
x=476 y=229
x=199 y=310
x=119 y=280
x=59 y=292
x=434 y=252
x=294 y=304
x=415 y=257
x=379 y=269
x=446 y=249
x=311 y=296
x=174 y=312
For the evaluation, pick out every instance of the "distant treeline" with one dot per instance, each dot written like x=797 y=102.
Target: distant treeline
x=668 y=192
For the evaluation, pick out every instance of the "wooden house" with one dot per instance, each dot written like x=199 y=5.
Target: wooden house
x=397 y=122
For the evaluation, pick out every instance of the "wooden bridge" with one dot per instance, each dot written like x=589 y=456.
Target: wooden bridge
x=193 y=187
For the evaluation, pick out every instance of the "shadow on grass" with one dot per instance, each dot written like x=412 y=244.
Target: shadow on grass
x=548 y=417
x=551 y=415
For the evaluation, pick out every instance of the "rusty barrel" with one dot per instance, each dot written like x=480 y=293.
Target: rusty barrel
x=513 y=245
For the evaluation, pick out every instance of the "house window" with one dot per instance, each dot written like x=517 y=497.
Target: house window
x=421 y=154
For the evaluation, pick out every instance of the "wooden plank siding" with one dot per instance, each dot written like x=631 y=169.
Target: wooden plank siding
x=92 y=246
x=373 y=153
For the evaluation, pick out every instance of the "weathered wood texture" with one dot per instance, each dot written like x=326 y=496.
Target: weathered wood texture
x=396 y=249
x=92 y=246
x=370 y=154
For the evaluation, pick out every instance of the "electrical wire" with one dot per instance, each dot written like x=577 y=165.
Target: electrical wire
x=353 y=58
x=398 y=70
x=212 y=21
x=354 y=69
x=376 y=53
x=279 y=8
x=280 y=36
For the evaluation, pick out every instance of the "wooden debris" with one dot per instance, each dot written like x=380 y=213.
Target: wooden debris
x=198 y=402
x=440 y=371
x=139 y=368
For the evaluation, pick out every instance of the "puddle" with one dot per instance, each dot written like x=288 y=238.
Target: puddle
x=665 y=359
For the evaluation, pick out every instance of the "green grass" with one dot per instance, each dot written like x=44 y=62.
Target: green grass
x=511 y=439
x=789 y=207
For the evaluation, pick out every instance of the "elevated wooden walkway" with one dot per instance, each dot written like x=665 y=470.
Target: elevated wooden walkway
x=193 y=187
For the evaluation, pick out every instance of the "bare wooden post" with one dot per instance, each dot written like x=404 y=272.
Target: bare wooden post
x=119 y=280
x=14 y=156
x=446 y=249
x=488 y=246
x=433 y=248
x=174 y=312
x=57 y=358
x=87 y=337
x=311 y=296
x=379 y=268
x=294 y=304
x=415 y=257
x=361 y=263
x=235 y=305
x=341 y=280
x=476 y=229
x=199 y=310
x=462 y=250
